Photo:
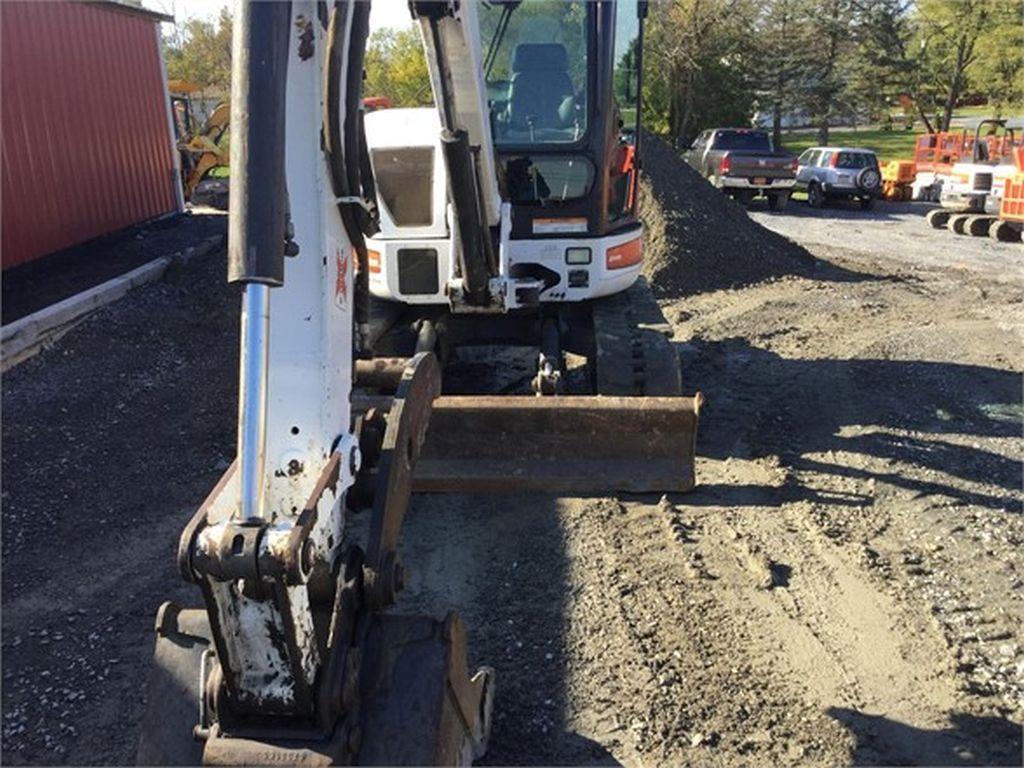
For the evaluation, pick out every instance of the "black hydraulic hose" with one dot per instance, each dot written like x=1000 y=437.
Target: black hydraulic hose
x=358 y=35
x=368 y=182
x=446 y=96
x=345 y=176
x=256 y=227
x=462 y=186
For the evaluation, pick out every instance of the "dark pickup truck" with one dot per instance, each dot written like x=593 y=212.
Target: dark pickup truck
x=743 y=163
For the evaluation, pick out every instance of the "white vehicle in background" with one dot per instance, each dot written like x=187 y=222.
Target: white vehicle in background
x=972 y=191
x=830 y=173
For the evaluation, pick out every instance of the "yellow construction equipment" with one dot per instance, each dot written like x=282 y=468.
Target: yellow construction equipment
x=201 y=150
x=897 y=179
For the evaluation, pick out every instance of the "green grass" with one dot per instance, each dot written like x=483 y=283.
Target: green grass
x=986 y=110
x=220 y=172
x=888 y=145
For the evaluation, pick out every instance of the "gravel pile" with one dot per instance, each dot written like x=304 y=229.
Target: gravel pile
x=698 y=239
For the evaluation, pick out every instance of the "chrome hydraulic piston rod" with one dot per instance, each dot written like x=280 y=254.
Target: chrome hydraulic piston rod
x=252 y=398
x=256 y=233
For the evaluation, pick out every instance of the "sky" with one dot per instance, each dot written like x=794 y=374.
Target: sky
x=383 y=13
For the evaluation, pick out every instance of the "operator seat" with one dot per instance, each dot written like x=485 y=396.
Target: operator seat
x=540 y=95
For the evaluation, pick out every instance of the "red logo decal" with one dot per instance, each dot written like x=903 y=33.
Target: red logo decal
x=341 y=280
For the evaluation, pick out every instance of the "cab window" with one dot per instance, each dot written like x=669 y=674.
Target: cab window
x=626 y=90
x=856 y=160
x=404 y=178
x=626 y=78
x=535 y=69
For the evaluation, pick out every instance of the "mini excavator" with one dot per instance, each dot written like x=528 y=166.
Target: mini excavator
x=507 y=215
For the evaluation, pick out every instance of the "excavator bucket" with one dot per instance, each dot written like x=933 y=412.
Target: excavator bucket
x=418 y=704
x=571 y=444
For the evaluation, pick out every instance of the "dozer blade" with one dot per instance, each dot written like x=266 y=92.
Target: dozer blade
x=559 y=444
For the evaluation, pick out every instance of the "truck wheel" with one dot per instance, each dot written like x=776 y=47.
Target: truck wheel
x=777 y=200
x=956 y=223
x=1004 y=232
x=938 y=218
x=866 y=203
x=815 y=197
x=978 y=226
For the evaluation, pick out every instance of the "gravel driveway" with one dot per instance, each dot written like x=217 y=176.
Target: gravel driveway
x=896 y=232
x=845 y=586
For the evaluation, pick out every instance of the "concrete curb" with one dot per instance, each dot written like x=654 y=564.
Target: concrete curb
x=26 y=337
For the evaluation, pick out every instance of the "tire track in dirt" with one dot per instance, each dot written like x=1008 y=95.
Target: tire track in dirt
x=844 y=641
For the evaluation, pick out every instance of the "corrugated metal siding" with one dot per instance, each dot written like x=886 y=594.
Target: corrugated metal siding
x=85 y=140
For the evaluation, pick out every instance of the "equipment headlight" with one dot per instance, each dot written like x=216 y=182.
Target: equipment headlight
x=577 y=255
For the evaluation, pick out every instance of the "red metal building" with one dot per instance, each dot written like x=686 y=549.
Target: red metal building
x=85 y=124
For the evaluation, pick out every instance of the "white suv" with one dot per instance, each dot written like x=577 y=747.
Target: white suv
x=839 y=172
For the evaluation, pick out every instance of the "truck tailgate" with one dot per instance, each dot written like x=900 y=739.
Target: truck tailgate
x=759 y=165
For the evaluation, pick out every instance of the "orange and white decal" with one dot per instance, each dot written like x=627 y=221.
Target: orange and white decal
x=373 y=262
x=625 y=255
x=341 y=278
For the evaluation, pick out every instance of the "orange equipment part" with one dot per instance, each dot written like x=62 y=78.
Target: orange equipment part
x=897 y=177
x=938 y=151
x=370 y=103
x=625 y=255
x=899 y=171
x=1011 y=206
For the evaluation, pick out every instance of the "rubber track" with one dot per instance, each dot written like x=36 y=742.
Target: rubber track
x=633 y=354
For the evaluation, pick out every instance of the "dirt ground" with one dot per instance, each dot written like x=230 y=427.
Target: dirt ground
x=845 y=586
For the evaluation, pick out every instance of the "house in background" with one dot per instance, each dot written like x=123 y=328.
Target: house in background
x=86 y=130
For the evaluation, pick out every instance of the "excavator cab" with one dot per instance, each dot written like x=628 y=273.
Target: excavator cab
x=563 y=82
x=508 y=218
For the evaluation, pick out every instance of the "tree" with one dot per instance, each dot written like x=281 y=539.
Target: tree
x=396 y=67
x=780 y=65
x=948 y=35
x=200 y=52
x=697 y=60
x=998 y=73
x=886 y=70
x=829 y=65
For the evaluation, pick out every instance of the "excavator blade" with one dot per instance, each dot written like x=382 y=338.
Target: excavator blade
x=559 y=444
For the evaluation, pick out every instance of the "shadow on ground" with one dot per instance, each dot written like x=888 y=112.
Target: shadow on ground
x=890 y=412
x=501 y=562
x=881 y=741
